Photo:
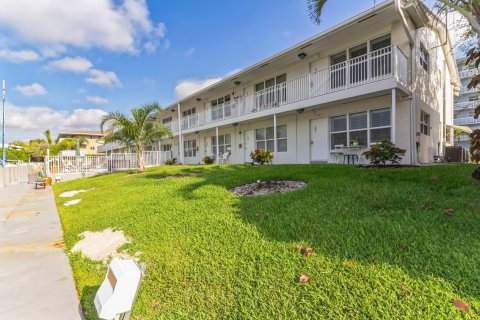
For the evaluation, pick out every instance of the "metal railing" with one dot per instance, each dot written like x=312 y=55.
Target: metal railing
x=462 y=121
x=467 y=105
x=468 y=73
x=377 y=65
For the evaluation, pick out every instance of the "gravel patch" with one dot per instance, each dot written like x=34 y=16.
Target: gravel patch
x=268 y=187
x=101 y=245
x=73 y=193
x=72 y=202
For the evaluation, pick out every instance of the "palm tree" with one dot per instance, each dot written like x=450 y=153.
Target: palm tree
x=141 y=129
x=315 y=8
x=48 y=137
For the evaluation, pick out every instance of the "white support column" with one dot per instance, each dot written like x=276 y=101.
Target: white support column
x=394 y=113
x=216 y=149
x=274 y=137
x=180 y=142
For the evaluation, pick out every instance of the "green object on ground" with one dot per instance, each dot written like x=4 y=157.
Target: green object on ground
x=383 y=246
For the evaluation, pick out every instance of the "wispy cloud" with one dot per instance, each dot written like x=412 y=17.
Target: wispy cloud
x=103 y=78
x=71 y=64
x=35 y=89
x=19 y=56
x=97 y=100
x=189 y=52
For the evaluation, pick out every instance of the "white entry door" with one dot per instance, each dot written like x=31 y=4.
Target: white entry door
x=319 y=140
x=249 y=140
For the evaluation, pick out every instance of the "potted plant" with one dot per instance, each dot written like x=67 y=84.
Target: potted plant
x=354 y=142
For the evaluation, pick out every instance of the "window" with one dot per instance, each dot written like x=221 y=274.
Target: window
x=166 y=147
x=167 y=120
x=224 y=144
x=188 y=112
x=424 y=123
x=424 y=57
x=190 y=148
x=270 y=93
x=338 y=131
x=358 y=64
x=364 y=128
x=337 y=69
x=92 y=148
x=221 y=108
x=380 y=125
x=358 y=128
x=264 y=138
x=381 y=62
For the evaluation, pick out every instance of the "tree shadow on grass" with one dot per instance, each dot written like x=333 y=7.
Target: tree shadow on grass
x=374 y=216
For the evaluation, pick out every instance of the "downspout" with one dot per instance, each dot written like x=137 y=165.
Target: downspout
x=413 y=101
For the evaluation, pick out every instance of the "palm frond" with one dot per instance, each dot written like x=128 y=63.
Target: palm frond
x=315 y=8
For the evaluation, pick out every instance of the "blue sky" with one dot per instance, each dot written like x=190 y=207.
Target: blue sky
x=68 y=62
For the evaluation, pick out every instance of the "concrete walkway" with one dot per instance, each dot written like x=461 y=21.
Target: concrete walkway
x=36 y=281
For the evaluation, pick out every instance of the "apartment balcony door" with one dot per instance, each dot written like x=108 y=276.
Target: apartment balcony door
x=249 y=141
x=319 y=150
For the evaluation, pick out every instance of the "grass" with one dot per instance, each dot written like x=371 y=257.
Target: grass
x=383 y=247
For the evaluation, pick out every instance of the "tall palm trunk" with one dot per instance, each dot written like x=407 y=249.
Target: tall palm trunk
x=140 y=165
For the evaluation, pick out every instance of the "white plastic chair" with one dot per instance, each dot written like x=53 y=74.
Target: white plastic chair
x=222 y=159
x=336 y=154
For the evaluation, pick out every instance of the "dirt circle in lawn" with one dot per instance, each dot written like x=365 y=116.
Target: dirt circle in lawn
x=262 y=188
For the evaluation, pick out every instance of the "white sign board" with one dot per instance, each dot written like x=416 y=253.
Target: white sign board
x=117 y=292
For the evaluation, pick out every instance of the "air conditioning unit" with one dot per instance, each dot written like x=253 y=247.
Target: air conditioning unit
x=454 y=154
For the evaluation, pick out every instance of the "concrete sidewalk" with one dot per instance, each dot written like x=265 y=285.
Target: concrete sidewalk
x=36 y=280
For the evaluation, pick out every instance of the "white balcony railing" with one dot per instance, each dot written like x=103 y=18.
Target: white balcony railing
x=464 y=89
x=467 y=105
x=468 y=73
x=463 y=121
x=382 y=64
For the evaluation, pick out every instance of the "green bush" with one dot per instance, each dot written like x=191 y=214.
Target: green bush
x=208 y=160
x=380 y=154
x=14 y=155
x=170 y=162
x=261 y=156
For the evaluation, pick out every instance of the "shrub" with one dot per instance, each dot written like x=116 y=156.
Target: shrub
x=261 y=156
x=380 y=154
x=170 y=162
x=207 y=160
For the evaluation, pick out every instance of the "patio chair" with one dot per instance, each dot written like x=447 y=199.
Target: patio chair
x=222 y=159
x=336 y=155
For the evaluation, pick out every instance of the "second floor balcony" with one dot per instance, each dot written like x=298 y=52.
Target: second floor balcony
x=467 y=105
x=388 y=62
x=465 y=121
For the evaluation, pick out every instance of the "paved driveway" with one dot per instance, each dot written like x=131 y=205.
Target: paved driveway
x=36 y=281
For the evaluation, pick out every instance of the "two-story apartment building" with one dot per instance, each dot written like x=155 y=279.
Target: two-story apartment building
x=466 y=102
x=385 y=74
x=89 y=141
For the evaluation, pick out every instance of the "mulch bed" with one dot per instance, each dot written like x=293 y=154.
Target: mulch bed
x=268 y=187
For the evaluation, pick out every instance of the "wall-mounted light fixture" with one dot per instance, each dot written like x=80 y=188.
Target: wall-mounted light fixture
x=302 y=55
x=198 y=99
x=235 y=124
x=237 y=83
x=173 y=110
x=300 y=110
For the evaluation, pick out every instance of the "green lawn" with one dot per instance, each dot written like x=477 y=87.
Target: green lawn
x=383 y=247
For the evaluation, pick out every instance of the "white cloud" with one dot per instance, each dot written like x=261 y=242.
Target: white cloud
x=35 y=89
x=111 y=24
x=189 y=52
x=72 y=64
x=103 y=78
x=150 y=47
x=166 y=44
x=36 y=118
x=19 y=56
x=97 y=100
x=187 y=87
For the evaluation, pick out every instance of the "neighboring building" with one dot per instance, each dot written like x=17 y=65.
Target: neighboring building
x=466 y=102
x=89 y=140
x=386 y=74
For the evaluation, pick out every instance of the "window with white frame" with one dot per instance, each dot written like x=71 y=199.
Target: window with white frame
x=264 y=138
x=166 y=147
x=189 y=112
x=380 y=125
x=224 y=144
x=424 y=123
x=221 y=108
x=424 y=57
x=167 y=120
x=271 y=92
x=364 y=128
x=190 y=148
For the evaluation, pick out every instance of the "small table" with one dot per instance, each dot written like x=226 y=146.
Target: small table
x=351 y=153
x=40 y=183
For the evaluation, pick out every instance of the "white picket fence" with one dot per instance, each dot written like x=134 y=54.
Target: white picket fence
x=99 y=164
